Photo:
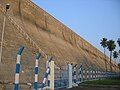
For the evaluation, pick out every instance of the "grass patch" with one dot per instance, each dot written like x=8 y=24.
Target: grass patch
x=114 y=81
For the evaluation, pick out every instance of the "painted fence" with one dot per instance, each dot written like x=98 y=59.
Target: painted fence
x=89 y=73
x=60 y=80
x=57 y=77
x=60 y=77
x=16 y=86
x=74 y=74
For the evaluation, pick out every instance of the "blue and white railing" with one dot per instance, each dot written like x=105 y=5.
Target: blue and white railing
x=36 y=72
x=16 y=85
x=65 y=77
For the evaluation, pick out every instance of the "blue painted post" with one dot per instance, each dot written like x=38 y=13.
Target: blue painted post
x=88 y=73
x=103 y=74
x=91 y=72
x=16 y=85
x=97 y=74
x=107 y=75
x=36 y=72
x=60 y=76
x=48 y=82
x=84 y=73
x=49 y=79
x=45 y=77
x=74 y=73
x=94 y=74
x=80 y=73
x=100 y=74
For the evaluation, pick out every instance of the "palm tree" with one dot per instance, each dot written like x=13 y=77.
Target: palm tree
x=118 y=41
x=119 y=65
x=111 y=46
x=115 y=55
x=104 y=45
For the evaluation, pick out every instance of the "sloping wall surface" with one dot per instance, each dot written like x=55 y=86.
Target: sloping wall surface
x=50 y=35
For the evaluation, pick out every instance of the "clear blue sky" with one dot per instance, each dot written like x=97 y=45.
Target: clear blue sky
x=91 y=19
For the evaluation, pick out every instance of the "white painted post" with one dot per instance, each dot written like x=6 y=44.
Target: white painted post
x=52 y=75
x=69 y=67
x=16 y=85
x=83 y=74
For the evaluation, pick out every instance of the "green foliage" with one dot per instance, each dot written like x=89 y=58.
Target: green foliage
x=119 y=65
x=104 y=42
x=115 y=54
x=118 y=41
x=104 y=45
x=111 y=45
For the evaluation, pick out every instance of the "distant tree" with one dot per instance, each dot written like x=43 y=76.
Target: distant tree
x=118 y=41
x=104 y=45
x=119 y=65
x=115 y=55
x=111 y=46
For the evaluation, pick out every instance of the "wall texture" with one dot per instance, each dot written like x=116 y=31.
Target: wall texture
x=30 y=26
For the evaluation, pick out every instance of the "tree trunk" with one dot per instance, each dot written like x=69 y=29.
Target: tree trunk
x=115 y=66
x=110 y=61
x=105 y=60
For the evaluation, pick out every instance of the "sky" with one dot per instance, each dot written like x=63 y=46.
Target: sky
x=90 y=19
